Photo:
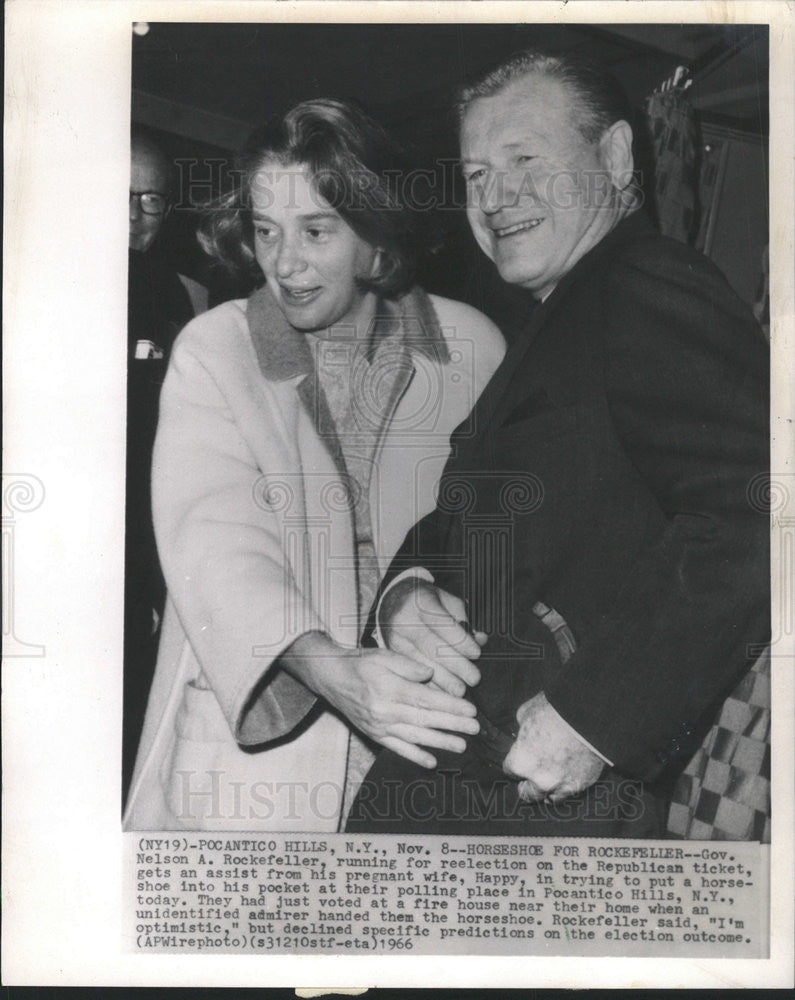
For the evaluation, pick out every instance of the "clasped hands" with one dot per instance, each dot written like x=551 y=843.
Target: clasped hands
x=428 y=625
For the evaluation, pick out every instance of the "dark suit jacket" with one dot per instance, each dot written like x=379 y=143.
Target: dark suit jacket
x=610 y=470
x=158 y=306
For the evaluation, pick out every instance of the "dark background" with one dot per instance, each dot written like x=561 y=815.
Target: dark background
x=204 y=87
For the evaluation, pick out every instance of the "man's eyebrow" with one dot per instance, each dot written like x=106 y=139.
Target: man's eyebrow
x=509 y=146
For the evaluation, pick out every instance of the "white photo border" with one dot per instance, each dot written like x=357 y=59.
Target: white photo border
x=65 y=272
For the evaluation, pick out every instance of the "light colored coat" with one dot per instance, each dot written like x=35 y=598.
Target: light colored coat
x=257 y=544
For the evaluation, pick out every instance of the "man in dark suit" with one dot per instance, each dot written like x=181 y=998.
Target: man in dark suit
x=594 y=526
x=158 y=306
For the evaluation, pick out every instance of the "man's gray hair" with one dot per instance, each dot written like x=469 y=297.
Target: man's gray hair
x=598 y=99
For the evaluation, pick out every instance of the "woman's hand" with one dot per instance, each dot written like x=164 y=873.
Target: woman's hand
x=383 y=694
x=430 y=625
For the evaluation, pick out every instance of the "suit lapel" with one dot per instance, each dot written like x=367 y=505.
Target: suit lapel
x=469 y=436
x=512 y=379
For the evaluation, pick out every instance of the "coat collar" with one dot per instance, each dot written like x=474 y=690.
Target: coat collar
x=283 y=352
x=497 y=398
x=631 y=227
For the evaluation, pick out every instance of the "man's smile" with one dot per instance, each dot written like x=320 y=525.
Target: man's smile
x=517 y=227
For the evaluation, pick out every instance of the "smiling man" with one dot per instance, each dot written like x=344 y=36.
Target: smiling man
x=594 y=513
x=545 y=186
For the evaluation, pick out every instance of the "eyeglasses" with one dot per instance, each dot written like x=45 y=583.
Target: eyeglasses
x=151 y=202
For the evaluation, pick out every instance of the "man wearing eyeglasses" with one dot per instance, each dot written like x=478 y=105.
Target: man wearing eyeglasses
x=150 y=190
x=158 y=306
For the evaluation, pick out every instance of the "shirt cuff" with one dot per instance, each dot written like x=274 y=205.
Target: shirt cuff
x=574 y=732
x=414 y=572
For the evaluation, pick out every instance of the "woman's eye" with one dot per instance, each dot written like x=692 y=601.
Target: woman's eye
x=475 y=175
x=316 y=233
x=265 y=234
x=525 y=158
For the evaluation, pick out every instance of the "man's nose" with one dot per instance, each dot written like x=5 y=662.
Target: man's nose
x=498 y=191
x=135 y=208
x=290 y=258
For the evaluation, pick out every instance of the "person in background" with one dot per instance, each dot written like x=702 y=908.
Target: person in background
x=302 y=432
x=609 y=545
x=159 y=303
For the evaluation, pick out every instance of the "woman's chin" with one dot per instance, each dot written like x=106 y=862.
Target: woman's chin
x=303 y=318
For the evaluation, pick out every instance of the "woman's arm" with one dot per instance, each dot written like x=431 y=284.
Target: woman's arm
x=220 y=545
x=254 y=633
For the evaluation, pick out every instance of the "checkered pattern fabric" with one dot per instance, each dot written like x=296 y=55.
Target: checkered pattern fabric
x=724 y=793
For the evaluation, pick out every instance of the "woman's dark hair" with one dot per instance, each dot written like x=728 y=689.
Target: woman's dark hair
x=354 y=166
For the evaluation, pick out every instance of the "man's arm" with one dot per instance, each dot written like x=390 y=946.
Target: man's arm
x=686 y=383
x=428 y=624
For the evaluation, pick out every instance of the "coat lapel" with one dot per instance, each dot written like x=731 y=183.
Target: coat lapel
x=285 y=358
x=283 y=353
x=512 y=380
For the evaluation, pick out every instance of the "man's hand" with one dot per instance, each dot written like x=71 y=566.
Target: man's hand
x=383 y=694
x=548 y=756
x=419 y=620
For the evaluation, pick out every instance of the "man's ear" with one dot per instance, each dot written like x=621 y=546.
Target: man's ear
x=615 y=148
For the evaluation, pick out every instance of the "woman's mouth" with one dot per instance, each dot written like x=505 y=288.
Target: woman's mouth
x=299 y=296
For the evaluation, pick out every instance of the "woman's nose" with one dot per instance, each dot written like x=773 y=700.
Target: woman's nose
x=290 y=259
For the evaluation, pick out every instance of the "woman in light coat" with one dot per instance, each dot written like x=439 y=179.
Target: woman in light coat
x=302 y=433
